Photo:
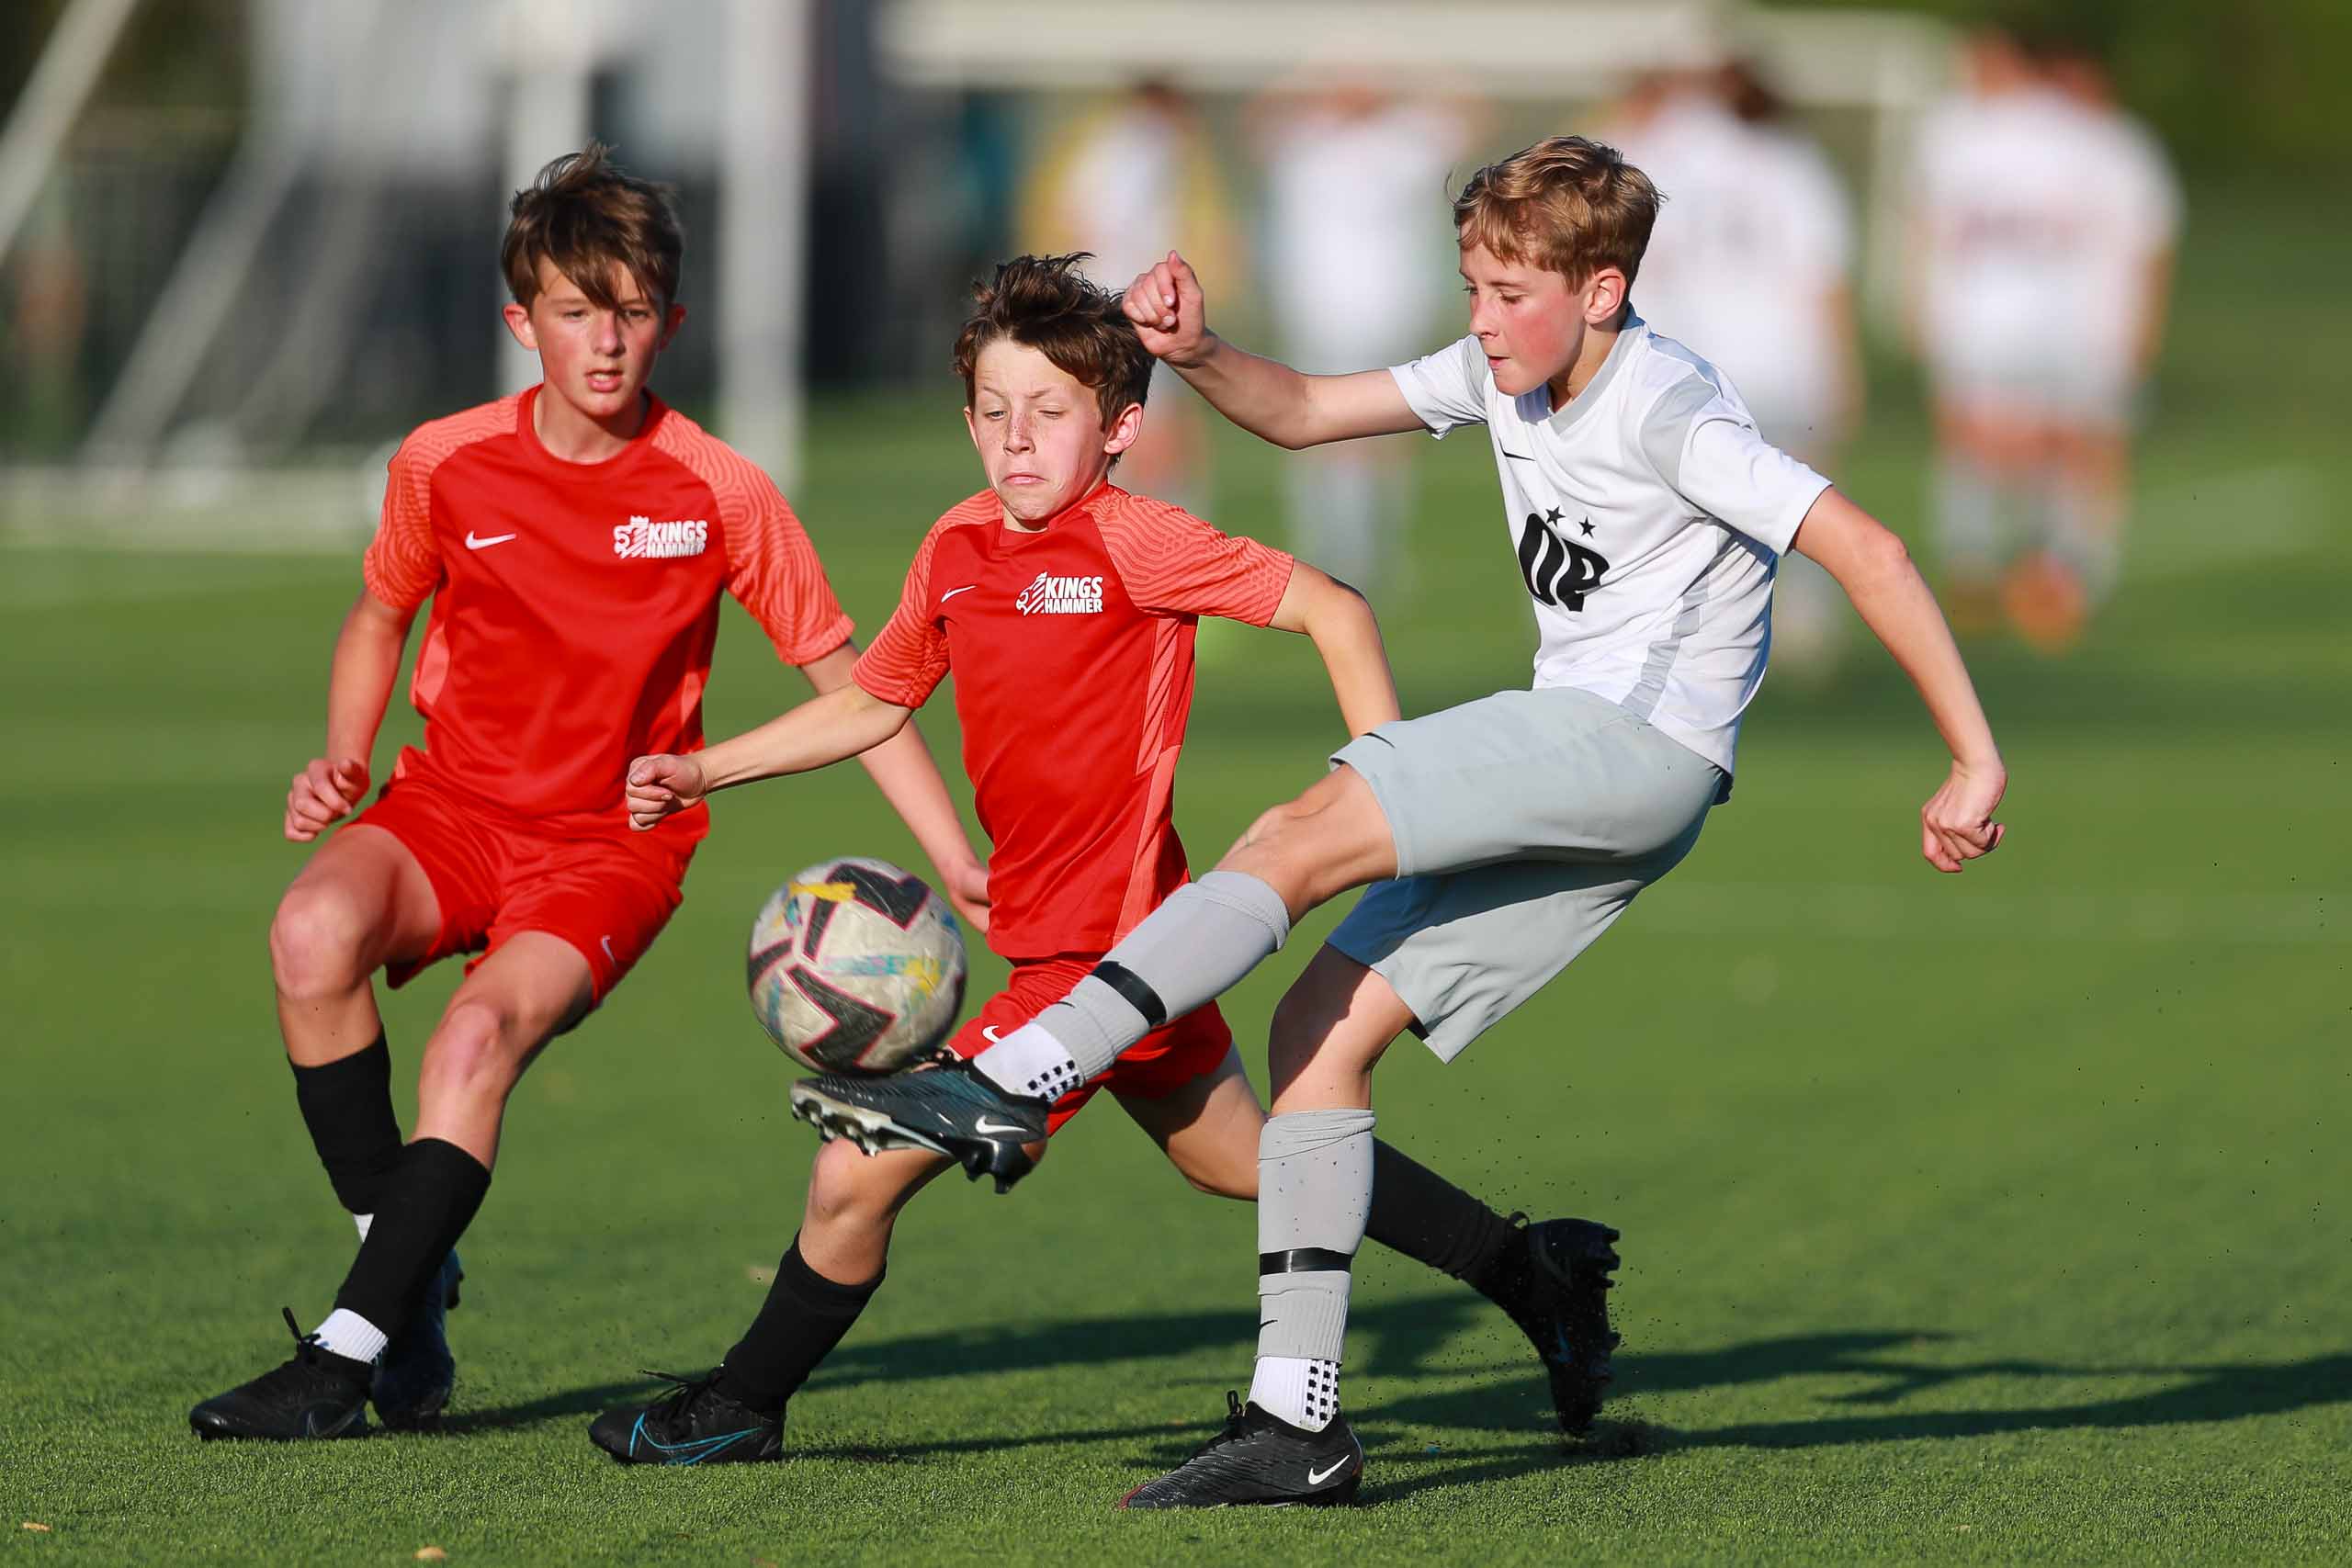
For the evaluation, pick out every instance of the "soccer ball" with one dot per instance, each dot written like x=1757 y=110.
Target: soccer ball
x=855 y=966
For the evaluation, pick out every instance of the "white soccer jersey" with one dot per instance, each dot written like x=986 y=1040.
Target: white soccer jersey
x=1755 y=234
x=2039 y=217
x=1648 y=516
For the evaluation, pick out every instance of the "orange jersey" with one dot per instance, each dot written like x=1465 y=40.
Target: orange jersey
x=574 y=604
x=1072 y=649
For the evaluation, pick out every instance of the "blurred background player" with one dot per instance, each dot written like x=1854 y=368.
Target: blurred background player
x=1115 y=184
x=1753 y=256
x=1353 y=280
x=574 y=539
x=1055 y=580
x=2044 y=235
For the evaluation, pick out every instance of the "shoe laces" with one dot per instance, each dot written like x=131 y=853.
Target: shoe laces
x=677 y=1404
x=1237 y=1422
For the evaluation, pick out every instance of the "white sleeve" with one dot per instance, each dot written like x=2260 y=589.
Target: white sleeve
x=1448 y=388
x=1707 y=450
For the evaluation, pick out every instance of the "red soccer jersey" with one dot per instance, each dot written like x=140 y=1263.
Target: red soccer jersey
x=1072 y=649
x=574 y=604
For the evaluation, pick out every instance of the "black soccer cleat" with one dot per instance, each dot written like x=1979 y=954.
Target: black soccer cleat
x=695 y=1425
x=416 y=1373
x=1261 y=1461
x=1562 y=1305
x=316 y=1395
x=949 y=1108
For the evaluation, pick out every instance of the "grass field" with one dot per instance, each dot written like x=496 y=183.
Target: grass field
x=1973 y=1220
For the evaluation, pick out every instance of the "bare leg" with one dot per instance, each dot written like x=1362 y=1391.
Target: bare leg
x=1208 y=1130
x=361 y=902
x=530 y=990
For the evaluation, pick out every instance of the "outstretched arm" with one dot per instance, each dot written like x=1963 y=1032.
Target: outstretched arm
x=902 y=769
x=842 y=723
x=367 y=662
x=1871 y=565
x=1341 y=621
x=1264 y=397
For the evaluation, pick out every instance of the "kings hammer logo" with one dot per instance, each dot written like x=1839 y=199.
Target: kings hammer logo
x=1051 y=595
x=642 y=538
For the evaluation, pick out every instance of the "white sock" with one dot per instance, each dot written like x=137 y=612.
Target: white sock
x=348 y=1334
x=1301 y=1390
x=362 y=1222
x=1029 y=1062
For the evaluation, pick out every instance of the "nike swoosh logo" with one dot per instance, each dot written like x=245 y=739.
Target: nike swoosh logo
x=953 y=592
x=697 y=1449
x=988 y=1032
x=985 y=1127
x=1519 y=455
x=1317 y=1477
x=474 y=544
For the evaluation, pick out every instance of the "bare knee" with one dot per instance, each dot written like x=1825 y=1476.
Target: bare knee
x=476 y=1054
x=850 y=1187
x=1224 y=1178
x=319 y=940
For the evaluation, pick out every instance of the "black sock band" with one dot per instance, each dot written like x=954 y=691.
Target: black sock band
x=348 y=1106
x=428 y=1204
x=1421 y=1214
x=803 y=1318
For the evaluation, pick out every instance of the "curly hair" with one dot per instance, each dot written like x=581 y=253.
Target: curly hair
x=1045 y=303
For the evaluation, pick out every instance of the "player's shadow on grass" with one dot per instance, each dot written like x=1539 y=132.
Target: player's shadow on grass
x=592 y=1400
x=2208 y=1394
x=1396 y=1340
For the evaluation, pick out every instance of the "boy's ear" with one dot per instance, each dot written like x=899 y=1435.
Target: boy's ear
x=518 y=322
x=1604 y=295
x=670 y=325
x=1123 y=430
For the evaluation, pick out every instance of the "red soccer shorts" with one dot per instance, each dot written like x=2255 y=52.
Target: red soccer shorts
x=494 y=876
x=1159 y=1064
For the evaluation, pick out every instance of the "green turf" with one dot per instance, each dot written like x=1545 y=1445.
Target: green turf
x=1983 y=1219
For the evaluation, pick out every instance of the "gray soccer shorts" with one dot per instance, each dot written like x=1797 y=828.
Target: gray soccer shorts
x=1525 y=823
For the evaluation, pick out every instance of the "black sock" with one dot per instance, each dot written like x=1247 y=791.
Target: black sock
x=427 y=1205
x=1424 y=1216
x=348 y=1106
x=803 y=1318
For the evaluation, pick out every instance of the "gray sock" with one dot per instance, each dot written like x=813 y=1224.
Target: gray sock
x=1199 y=942
x=1314 y=1194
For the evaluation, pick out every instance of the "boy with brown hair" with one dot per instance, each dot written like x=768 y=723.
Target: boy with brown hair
x=1067 y=609
x=1506 y=834
x=574 y=540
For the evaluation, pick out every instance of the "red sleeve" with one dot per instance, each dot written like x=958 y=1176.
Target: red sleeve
x=1172 y=562
x=403 y=565
x=774 y=572
x=908 y=660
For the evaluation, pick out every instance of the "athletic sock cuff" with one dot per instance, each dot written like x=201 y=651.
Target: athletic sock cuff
x=830 y=1298
x=1297 y=1133
x=1251 y=895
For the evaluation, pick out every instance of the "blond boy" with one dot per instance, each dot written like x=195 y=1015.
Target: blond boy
x=1647 y=516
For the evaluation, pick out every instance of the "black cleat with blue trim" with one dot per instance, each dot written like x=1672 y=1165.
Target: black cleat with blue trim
x=1561 y=1303
x=948 y=1108
x=316 y=1395
x=416 y=1373
x=1261 y=1461
x=694 y=1425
